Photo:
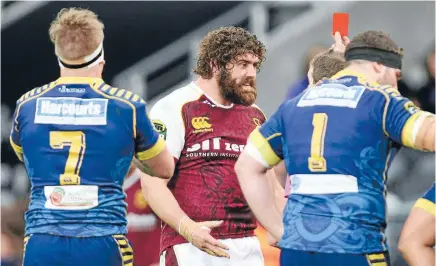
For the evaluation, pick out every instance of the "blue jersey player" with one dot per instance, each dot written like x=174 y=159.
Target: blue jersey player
x=77 y=136
x=417 y=238
x=337 y=140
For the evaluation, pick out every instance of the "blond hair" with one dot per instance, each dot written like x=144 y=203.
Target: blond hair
x=76 y=33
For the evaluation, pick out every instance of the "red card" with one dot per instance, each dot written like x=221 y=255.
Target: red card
x=340 y=23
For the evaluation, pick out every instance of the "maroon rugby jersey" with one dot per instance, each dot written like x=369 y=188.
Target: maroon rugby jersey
x=143 y=225
x=206 y=139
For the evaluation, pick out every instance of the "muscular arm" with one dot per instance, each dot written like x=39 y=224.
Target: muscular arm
x=281 y=174
x=255 y=185
x=418 y=238
x=425 y=139
x=165 y=205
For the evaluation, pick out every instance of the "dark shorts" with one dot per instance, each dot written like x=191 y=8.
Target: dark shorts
x=43 y=250
x=289 y=257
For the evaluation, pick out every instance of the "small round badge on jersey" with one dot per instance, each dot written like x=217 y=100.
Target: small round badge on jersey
x=160 y=128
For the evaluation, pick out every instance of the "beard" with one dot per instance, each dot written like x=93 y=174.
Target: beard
x=237 y=92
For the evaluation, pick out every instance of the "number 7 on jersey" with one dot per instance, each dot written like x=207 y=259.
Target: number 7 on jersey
x=76 y=141
x=317 y=162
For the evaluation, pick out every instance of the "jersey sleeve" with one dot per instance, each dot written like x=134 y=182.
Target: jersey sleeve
x=168 y=121
x=427 y=202
x=401 y=119
x=147 y=141
x=15 y=135
x=265 y=142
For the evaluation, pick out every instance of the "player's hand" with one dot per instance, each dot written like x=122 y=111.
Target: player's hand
x=340 y=43
x=198 y=234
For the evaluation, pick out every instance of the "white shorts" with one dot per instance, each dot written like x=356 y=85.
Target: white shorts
x=243 y=252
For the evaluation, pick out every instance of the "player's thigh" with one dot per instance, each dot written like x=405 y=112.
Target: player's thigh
x=242 y=251
x=289 y=257
x=41 y=249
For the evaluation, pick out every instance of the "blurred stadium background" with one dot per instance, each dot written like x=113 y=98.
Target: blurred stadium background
x=150 y=48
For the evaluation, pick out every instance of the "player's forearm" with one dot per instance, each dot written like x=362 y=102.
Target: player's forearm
x=256 y=188
x=161 y=200
x=417 y=254
x=278 y=191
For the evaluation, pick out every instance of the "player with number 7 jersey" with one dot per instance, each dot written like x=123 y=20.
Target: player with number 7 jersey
x=77 y=136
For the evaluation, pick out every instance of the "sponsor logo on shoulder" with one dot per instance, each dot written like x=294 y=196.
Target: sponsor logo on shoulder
x=64 y=89
x=332 y=95
x=71 y=111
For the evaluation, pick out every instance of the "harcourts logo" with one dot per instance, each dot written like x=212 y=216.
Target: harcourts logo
x=71 y=111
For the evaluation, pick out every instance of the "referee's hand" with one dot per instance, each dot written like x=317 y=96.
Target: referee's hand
x=340 y=43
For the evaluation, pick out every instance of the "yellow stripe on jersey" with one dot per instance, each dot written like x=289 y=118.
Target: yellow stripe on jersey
x=376 y=259
x=426 y=205
x=32 y=92
x=112 y=91
x=153 y=151
x=26 y=95
x=18 y=150
x=128 y=95
x=262 y=145
x=124 y=101
x=135 y=98
x=38 y=90
x=409 y=127
x=24 y=100
x=105 y=87
x=125 y=249
x=120 y=92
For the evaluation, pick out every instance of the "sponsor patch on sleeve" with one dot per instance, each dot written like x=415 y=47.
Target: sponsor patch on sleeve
x=71 y=111
x=160 y=128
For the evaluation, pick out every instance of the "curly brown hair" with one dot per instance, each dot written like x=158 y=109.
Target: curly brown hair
x=326 y=64
x=223 y=45
x=374 y=39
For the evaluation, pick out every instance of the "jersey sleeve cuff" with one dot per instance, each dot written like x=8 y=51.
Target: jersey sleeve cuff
x=262 y=149
x=18 y=150
x=151 y=152
x=426 y=205
x=411 y=128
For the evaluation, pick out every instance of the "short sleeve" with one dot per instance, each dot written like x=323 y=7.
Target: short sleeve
x=427 y=202
x=147 y=141
x=265 y=142
x=168 y=122
x=400 y=117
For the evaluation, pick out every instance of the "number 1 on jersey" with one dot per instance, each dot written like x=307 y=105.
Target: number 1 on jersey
x=76 y=141
x=317 y=162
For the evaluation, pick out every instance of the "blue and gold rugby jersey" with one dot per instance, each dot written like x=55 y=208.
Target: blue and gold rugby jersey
x=76 y=137
x=337 y=140
x=427 y=202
